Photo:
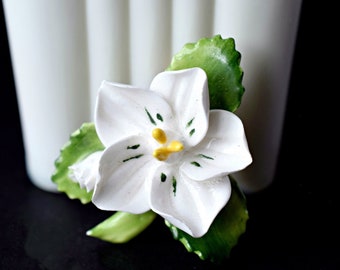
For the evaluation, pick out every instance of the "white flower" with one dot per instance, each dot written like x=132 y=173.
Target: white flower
x=85 y=172
x=166 y=151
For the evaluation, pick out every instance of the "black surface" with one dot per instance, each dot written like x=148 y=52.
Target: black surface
x=294 y=223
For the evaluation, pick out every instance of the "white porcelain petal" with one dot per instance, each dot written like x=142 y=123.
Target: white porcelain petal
x=123 y=110
x=85 y=172
x=187 y=204
x=124 y=168
x=224 y=150
x=187 y=91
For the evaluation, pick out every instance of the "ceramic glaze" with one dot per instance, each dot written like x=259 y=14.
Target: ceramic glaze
x=61 y=51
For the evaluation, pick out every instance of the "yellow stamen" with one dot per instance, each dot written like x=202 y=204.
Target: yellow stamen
x=175 y=146
x=163 y=153
x=159 y=135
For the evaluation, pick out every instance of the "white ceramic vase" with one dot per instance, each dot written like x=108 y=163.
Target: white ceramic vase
x=61 y=51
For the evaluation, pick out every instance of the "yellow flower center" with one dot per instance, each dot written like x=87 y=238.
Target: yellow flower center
x=163 y=153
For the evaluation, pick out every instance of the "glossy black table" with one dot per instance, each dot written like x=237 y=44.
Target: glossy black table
x=293 y=223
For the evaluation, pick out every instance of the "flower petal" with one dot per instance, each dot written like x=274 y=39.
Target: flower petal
x=187 y=204
x=123 y=110
x=85 y=172
x=124 y=168
x=224 y=150
x=187 y=91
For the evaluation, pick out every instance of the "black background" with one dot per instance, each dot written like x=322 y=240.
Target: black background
x=294 y=223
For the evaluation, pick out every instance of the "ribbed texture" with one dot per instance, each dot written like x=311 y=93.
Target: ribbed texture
x=62 y=50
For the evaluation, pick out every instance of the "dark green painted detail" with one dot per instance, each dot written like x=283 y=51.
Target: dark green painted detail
x=163 y=177
x=159 y=117
x=150 y=117
x=195 y=163
x=190 y=122
x=204 y=156
x=138 y=156
x=133 y=147
x=174 y=185
x=192 y=132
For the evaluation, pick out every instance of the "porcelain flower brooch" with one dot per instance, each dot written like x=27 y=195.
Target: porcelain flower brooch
x=167 y=151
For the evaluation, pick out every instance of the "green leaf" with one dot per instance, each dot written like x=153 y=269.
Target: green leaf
x=223 y=234
x=221 y=62
x=82 y=143
x=122 y=226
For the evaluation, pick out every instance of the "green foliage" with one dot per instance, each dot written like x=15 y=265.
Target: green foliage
x=121 y=227
x=221 y=62
x=223 y=234
x=82 y=143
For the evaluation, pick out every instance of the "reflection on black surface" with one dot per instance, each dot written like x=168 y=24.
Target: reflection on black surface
x=54 y=238
x=53 y=227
